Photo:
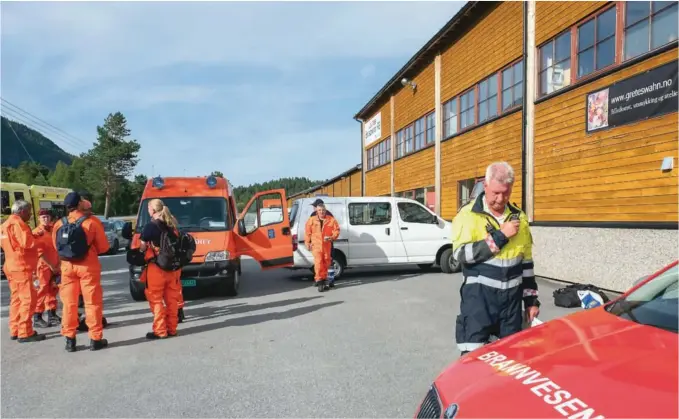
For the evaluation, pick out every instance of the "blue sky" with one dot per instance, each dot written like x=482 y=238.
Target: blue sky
x=257 y=90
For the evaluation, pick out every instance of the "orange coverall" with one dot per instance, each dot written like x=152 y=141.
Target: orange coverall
x=21 y=260
x=47 y=289
x=163 y=292
x=83 y=276
x=321 y=250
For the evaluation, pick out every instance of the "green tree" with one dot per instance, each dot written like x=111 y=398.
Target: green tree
x=112 y=158
x=217 y=173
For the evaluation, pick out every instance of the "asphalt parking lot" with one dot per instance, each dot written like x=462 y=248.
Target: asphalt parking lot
x=369 y=348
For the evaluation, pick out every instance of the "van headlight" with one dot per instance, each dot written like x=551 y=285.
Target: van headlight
x=220 y=256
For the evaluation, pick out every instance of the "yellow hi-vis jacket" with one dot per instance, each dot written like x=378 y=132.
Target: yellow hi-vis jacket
x=488 y=257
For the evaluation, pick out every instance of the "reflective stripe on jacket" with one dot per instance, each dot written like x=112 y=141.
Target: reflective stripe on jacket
x=488 y=257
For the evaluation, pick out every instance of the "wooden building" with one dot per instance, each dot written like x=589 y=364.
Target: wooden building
x=579 y=97
x=348 y=183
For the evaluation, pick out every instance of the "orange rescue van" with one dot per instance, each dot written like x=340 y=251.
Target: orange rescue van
x=205 y=208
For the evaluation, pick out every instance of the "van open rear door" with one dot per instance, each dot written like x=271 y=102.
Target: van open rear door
x=263 y=230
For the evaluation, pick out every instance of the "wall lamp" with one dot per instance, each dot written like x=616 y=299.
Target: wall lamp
x=407 y=82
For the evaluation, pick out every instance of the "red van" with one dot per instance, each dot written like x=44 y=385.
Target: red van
x=205 y=207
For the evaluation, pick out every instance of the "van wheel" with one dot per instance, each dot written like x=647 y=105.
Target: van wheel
x=448 y=263
x=338 y=262
x=137 y=291
x=229 y=286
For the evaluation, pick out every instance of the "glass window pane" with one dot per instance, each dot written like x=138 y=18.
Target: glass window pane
x=507 y=99
x=507 y=79
x=563 y=47
x=659 y=5
x=492 y=107
x=483 y=112
x=518 y=71
x=544 y=83
x=585 y=62
x=483 y=90
x=463 y=102
x=492 y=85
x=562 y=74
x=518 y=93
x=605 y=24
x=636 y=39
x=664 y=27
x=470 y=117
x=605 y=53
x=546 y=54
x=586 y=35
x=635 y=11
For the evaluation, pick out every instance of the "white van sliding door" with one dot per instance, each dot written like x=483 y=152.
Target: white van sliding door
x=374 y=236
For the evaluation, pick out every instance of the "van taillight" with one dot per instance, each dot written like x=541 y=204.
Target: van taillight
x=294 y=242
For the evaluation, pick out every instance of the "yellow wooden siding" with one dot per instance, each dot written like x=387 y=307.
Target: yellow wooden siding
x=551 y=18
x=356 y=180
x=410 y=104
x=609 y=175
x=468 y=156
x=378 y=181
x=492 y=43
x=415 y=171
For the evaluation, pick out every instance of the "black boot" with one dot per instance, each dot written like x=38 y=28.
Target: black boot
x=331 y=284
x=153 y=336
x=322 y=286
x=14 y=337
x=52 y=318
x=36 y=337
x=95 y=345
x=38 y=321
x=70 y=345
x=180 y=314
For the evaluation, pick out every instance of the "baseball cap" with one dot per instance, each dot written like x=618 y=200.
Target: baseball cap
x=72 y=200
x=317 y=202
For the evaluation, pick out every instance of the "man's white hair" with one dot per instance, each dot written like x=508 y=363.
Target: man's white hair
x=19 y=206
x=501 y=172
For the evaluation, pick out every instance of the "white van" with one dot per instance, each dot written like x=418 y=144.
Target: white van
x=377 y=231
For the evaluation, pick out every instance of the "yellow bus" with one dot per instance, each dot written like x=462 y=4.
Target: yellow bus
x=42 y=197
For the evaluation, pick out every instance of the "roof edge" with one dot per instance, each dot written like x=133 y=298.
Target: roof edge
x=444 y=31
x=351 y=171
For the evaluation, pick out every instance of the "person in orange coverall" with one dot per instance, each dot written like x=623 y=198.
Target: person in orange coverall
x=163 y=287
x=21 y=259
x=82 y=276
x=47 y=270
x=320 y=232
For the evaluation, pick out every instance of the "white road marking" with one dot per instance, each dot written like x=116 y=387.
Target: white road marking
x=117 y=271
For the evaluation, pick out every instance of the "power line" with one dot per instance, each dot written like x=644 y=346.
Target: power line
x=26 y=150
x=54 y=137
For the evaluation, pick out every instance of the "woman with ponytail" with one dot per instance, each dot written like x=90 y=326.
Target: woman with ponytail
x=163 y=288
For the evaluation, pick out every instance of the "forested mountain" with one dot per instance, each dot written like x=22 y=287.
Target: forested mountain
x=42 y=149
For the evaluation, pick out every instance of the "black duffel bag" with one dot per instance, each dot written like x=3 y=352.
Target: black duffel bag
x=135 y=257
x=568 y=296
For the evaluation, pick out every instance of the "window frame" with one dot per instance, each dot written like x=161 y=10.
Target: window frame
x=616 y=34
x=409 y=135
x=510 y=67
x=541 y=70
x=486 y=101
x=368 y=204
x=416 y=204
x=624 y=28
x=379 y=154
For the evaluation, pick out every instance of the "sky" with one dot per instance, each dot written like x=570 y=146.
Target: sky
x=256 y=90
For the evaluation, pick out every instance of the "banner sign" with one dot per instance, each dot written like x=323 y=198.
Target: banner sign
x=646 y=95
x=372 y=130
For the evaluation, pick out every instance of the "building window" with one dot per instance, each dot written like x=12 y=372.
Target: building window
x=431 y=128
x=596 y=43
x=468 y=190
x=555 y=64
x=467 y=109
x=512 y=86
x=399 y=144
x=450 y=118
x=488 y=98
x=419 y=134
x=380 y=154
x=649 y=25
x=408 y=139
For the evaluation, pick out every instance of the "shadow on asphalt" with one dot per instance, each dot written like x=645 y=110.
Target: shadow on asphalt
x=239 y=321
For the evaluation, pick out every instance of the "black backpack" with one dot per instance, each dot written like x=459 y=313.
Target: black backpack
x=175 y=251
x=568 y=296
x=71 y=240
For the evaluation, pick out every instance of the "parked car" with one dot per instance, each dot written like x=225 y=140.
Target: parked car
x=111 y=236
x=618 y=360
x=377 y=231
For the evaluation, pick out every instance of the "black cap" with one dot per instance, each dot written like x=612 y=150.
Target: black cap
x=72 y=200
x=317 y=202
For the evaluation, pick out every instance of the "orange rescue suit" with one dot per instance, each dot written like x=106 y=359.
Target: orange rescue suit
x=47 y=288
x=21 y=260
x=83 y=276
x=163 y=289
x=315 y=230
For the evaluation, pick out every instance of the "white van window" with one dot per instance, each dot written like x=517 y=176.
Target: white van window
x=413 y=213
x=293 y=212
x=370 y=213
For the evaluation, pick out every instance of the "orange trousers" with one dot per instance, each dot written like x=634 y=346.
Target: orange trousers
x=322 y=261
x=47 y=291
x=87 y=280
x=163 y=292
x=181 y=294
x=21 y=304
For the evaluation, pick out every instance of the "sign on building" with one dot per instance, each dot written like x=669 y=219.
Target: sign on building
x=646 y=95
x=372 y=130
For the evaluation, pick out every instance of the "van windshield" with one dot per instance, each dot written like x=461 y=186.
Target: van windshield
x=193 y=213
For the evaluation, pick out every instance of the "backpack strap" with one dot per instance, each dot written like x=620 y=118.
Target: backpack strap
x=80 y=221
x=64 y=221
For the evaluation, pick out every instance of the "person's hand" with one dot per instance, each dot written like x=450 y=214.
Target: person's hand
x=142 y=247
x=532 y=313
x=40 y=232
x=308 y=246
x=510 y=228
x=327 y=238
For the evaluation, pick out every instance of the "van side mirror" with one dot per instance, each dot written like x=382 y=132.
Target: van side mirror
x=127 y=231
x=241 y=228
x=434 y=219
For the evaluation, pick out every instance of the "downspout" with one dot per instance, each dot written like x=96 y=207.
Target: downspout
x=524 y=118
x=363 y=165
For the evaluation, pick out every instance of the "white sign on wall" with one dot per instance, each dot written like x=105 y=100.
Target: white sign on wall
x=372 y=130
